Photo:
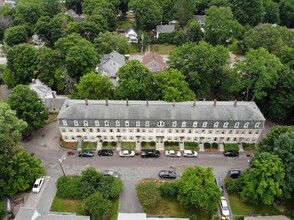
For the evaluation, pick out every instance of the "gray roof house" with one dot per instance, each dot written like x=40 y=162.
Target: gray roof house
x=110 y=64
x=168 y=28
x=201 y=19
x=75 y=16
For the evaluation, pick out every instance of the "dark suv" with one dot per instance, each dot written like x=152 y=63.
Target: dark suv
x=231 y=153
x=105 y=152
x=150 y=153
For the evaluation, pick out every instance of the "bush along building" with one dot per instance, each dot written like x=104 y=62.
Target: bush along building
x=157 y=121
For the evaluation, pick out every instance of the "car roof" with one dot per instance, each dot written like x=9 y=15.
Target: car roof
x=235 y=171
x=188 y=151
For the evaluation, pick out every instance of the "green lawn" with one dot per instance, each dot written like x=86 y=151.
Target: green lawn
x=89 y=145
x=162 y=48
x=128 y=145
x=67 y=205
x=114 y=209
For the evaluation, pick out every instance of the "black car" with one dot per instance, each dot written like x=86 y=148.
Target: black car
x=86 y=154
x=231 y=153
x=234 y=173
x=150 y=153
x=167 y=174
x=105 y=152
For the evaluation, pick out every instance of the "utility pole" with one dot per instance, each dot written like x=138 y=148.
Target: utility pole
x=60 y=163
x=142 y=42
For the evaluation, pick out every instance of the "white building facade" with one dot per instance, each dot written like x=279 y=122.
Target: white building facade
x=158 y=121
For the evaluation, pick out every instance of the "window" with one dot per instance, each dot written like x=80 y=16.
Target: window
x=231 y=132
x=76 y=123
x=96 y=123
x=91 y=130
x=106 y=123
x=117 y=123
x=246 y=125
x=160 y=123
x=256 y=132
x=215 y=125
x=110 y=130
x=127 y=123
x=138 y=129
x=195 y=123
x=147 y=123
x=189 y=131
x=174 y=124
x=98 y=130
x=226 y=124
x=63 y=130
x=237 y=124
x=118 y=130
x=64 y=122
x=169 y=130
x=209 y=131
x=85 y=123
x=257 y=124
x=184 y=124
x=77 y=130
x=204 y=125
x=66 y=137
x=70 y=130
x=137 y=123
x=84 y=130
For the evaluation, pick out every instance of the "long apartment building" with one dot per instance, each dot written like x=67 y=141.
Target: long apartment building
x=159 y=121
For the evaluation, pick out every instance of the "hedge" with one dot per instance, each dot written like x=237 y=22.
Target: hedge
x=207 y=145
x=105 y=143
x=152 y=143
x=113 y=143
x=233 y=147
x=143 y=143
x=249 y=146
x=214 y=145
x=191 y=146
x=171 y=143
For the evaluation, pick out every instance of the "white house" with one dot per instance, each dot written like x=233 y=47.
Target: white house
x=131 y=34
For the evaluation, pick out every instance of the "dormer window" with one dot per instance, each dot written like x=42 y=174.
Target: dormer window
x=237 y=124
x=64 y=122
x=138 y=123
x=246 y=125
x=204 y=124
x=174 y=124
x=160 y=123
x=106 y=123
x=215 y=125
x=226 y=124
x=184 y=124
x=127 y=123
x=117 y=123
x=147 y=123
x=96 y=123
x=257 y=124
x=195 y=124
x=85 y=123
x=76 y=123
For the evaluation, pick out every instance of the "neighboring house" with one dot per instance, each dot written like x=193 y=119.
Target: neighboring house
x=131 y=34
x=201 y=19
x=37 y=41
x=168 y=28
x=41 y=89
x=110 y=64
x=9 y=2
x=277 y=217
x=154 y=62
x=75 y=16
x=159 y=121
x=143 y=216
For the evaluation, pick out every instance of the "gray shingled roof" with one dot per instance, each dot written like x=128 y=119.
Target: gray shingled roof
x=203 y=110
x=165 y=28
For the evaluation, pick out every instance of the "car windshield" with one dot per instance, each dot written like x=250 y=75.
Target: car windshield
x=36 y=185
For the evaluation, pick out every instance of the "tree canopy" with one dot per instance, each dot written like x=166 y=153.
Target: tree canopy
x=15 y=35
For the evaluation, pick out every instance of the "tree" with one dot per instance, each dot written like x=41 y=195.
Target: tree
x=172 y=86
x=93 y=86
x=197 y=188
x=31 y=109
x=89 y=182
x=148 y=194
x=286 y=13
x=168 y=10
x=257 y=73
x=11 y=127
x=264 y=180
x=21 y=61
x=147 y=13
x=272 y=13
x=97 y=206
x=135 y=82
x=110 y=187
x=19 y=170
x=202 y=65
x=286 y=56
x=184 y=10
x=193 y=31
x=106 y=42
x=220 y=25
x=15 y=35
x=284 y=149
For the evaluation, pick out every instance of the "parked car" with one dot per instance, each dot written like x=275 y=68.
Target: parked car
x=150 y=153
x=219 y=183
x=38 y=185
x=172 y=153
x=234 y=173
x=167 y=174
x=231 y=153
x=127 y=153
x=105 y=152
x=224 y=208
x=86 y=154
x=111 y=173
x=189 y=153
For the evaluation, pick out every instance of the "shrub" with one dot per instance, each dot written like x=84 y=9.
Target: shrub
x=233 y=185
x=249 y=146
x=148 y=194
x=110 y=187
x=166 y=143
x=97 y=206
x=214 y=145
x=233 y=147
x=143 y=143
x=207 y=145
x=105 y=143
x=68 y=187
x=152 y=143
x=191 y=146
x=2 y=210
x=113 y=143
x=89 y=182
x=168 y=189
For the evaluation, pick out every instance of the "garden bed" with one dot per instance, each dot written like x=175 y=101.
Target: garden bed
x=128 y=145
x=231 y=147
x=148 y=145
x=249 y=147
x=211 y=146
x=191 y=146
x=89 y=145
x=109 y=145
x=71 y=145
x=171 y=145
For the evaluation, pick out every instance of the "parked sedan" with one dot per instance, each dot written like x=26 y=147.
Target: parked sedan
x=38 y=185
x=167 y=174
x=86 y=154
x=172 y=153
x=231 y=153
x=127 y=153
x=150 y=153
x=190 y=153
x=111 y=173
x=105 y=152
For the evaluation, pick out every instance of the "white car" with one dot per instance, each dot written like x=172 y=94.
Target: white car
x=127 y=153
x=190 y=153
x=38 y=185
x=111 y=173
x=172 y=153
x=224 y=208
